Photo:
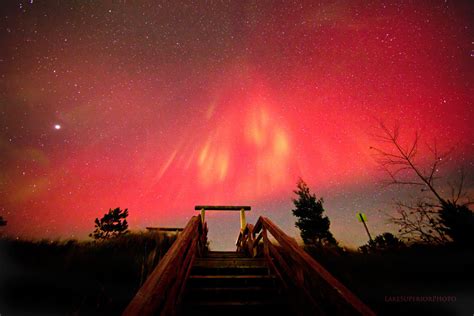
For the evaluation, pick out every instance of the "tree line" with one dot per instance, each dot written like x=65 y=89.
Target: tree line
x=431 y=218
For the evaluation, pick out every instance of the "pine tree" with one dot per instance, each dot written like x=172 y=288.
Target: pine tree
x=113 y=224
x=314 y=227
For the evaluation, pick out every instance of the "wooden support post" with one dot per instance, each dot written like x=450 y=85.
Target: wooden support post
x=243 y=223
x=266 y=251
x=203 y=213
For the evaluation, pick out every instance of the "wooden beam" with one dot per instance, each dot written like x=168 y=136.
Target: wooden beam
x=221 y=208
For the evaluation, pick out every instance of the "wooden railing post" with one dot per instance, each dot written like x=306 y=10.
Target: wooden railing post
x=250 y=241
x=266 y=251
x=203 y=213
x=243 y=223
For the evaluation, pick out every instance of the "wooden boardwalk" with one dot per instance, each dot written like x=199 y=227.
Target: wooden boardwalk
x=268 y=274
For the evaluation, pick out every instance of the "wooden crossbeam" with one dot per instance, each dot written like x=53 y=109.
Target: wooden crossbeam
x=221 y=208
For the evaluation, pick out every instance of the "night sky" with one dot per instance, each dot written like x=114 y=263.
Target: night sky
x=158 y=107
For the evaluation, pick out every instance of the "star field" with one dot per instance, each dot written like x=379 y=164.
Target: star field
x=160 y=106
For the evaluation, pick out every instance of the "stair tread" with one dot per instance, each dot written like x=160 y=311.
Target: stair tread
x=228 y=258
x=218 y=259
x=232 y=276
x=232 y=289
x=222 y=265
x=226 y=254
x=234 y=302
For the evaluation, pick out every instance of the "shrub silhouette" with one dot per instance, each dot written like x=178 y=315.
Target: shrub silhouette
x=382 y=243
x=112 y=224
x=458 y=222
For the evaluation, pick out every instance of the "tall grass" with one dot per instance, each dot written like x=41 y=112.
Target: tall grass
x=76 y=278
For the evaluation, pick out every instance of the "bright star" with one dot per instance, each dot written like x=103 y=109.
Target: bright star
x=57 y=126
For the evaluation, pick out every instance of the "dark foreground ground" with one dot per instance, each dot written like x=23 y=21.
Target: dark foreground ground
x=75 y=278
x=391 y=283
x=86 y=278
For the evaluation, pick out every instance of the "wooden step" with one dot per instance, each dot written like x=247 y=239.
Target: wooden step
x=229 y=263
x=196 y=281
x=225 y=254
x=231 y=266
x=231 y=303
x=243 y=270
x=229 y=293
x=212 y=290
x=232 y=276
x=236 y=307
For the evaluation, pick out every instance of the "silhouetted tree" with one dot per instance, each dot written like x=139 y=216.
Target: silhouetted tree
x=432 y=218
x=112 y=224
x=419 y=221
x=458 y=222
x=382 y=243
x=314 y=227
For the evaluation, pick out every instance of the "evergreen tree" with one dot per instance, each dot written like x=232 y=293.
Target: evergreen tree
x=314 y=227
x=113 y=224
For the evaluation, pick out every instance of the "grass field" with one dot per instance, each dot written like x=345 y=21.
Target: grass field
x=76 y=278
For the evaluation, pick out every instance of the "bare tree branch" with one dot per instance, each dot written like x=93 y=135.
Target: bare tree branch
x=404 y=159
x=399 y=161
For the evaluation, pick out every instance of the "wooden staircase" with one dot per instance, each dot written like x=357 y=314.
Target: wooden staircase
x=269 y=274
x=230 y=283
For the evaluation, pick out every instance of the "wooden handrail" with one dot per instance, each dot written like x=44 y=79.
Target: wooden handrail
x=160 y=294
x=299 y=272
